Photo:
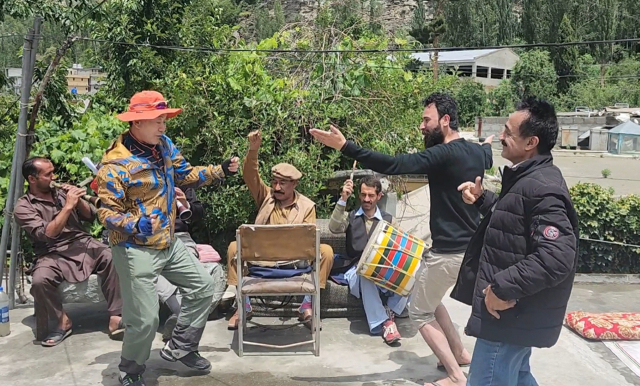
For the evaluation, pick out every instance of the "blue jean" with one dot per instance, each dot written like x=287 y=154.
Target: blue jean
x=500 y=364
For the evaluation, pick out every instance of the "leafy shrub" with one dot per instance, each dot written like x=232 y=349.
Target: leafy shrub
x=612 y=221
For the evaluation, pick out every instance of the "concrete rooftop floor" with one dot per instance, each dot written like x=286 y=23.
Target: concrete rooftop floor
x=349 y=355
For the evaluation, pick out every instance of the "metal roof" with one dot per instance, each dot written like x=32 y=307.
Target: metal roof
x=455 y=56
x=628 y=128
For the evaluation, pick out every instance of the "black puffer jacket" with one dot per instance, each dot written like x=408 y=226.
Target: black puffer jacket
x=526 y=249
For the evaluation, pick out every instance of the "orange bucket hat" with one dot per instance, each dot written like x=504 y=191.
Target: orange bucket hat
x=147 y=105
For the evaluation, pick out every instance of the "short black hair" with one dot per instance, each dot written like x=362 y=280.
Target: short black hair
x=445 y=104
x=372 y=182
x=542 y=123
x=29 y=167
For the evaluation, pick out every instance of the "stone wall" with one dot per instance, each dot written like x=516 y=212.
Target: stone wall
x=570 y=128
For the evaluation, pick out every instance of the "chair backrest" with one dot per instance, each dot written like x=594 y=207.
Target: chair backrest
x=278 y=242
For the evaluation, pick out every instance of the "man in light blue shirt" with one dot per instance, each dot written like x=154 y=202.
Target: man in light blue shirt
x=358 y=226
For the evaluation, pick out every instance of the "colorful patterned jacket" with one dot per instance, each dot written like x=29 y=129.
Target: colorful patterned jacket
x=130 y=187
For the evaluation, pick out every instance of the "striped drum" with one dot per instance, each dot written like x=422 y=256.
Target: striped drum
x=391 y=258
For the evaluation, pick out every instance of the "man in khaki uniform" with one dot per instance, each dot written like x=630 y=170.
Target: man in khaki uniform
x=279 y=204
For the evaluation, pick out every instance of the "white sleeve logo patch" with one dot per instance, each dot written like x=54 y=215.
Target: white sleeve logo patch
x=551 y=233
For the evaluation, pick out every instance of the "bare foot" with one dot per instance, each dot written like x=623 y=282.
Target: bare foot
x=464 y=359
x=448 y=382
x=114 y=321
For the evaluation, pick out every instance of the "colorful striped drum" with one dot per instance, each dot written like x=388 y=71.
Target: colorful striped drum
x=391 y=258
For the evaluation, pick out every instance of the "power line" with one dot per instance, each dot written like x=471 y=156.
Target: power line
x=346 y=63
x=91 y=11
x=350 y=63
x=381 y=50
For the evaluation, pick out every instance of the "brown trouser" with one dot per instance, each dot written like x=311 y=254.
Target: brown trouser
x=46 y=279
x=326 y=262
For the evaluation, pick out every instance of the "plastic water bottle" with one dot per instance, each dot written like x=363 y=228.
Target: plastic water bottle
x=5 y=329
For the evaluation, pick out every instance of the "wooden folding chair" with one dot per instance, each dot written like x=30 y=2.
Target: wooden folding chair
x=281 y=243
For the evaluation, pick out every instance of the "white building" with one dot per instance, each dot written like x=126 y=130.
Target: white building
x=14 y=75
x=488 y=67
x=85 y=80
x=80 y=80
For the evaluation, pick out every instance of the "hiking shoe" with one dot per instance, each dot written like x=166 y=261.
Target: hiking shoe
x=195 y=361
x=192 y=360
x=390 y=332
x=169 y=326
x=132 y=380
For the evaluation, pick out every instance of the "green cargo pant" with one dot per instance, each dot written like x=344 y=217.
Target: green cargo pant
x=166 y=290
x=138 y=269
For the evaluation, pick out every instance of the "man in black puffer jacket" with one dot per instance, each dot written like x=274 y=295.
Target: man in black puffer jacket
x=518 y=271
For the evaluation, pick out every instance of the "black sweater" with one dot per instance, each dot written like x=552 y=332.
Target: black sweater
x=447 y=166
x=197 y=211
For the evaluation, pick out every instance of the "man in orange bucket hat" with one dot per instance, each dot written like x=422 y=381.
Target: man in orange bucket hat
x=136 y=184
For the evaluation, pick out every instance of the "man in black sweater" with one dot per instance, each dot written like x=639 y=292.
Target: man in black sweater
x=448 y=160
x=518 y=271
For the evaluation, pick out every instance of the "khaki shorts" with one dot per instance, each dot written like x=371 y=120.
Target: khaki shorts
x=432 y=282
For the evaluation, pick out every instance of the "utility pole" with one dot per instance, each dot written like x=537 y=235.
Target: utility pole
x=16 y=184
x=436 y=40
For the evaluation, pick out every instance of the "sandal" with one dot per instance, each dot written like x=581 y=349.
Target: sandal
x=57 y=336
x=118 y=333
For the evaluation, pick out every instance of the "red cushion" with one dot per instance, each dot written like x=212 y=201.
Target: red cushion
x=606 y=326
x=207 y=254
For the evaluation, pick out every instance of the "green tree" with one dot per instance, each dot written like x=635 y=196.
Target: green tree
x=532 y=20
x=464 y=28
x=606 y=24
x=629 y=26
x=534 y=75
x=429 y=31
x=505 y=21
x=622 y=85
x=472 y=101
x=502 y=99
x=131 y=68
x=420 y=28
x=565 y=59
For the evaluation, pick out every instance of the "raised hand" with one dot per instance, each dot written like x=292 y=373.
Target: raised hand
x=333 y=138
x=471 y=191
x=255 y=140
x=347 y=190
x=235 y=164
x=230 y=166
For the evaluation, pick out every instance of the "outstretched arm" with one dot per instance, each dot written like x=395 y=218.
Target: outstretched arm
x=188 y=176
x=418 y=163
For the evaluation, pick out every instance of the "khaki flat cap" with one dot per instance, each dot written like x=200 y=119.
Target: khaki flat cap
x=286 y=171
